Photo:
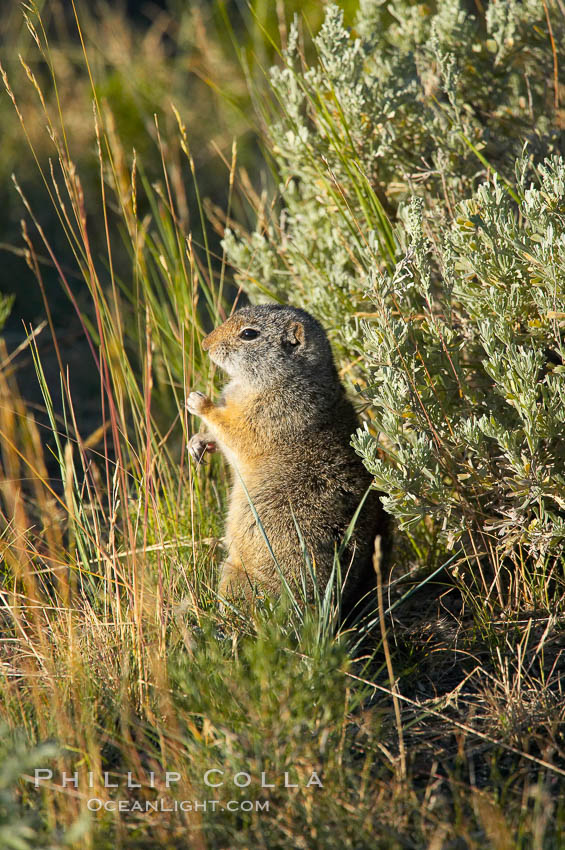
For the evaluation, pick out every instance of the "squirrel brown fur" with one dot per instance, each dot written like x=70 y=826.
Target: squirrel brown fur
x=284 y=423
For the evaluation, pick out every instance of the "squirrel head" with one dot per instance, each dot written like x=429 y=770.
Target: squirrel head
x=265 y=345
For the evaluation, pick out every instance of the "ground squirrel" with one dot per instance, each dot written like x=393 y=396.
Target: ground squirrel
x=284 y=423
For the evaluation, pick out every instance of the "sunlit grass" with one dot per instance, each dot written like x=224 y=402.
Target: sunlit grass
x=113 y=647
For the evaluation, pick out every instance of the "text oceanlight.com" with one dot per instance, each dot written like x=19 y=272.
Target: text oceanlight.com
x=164 y=805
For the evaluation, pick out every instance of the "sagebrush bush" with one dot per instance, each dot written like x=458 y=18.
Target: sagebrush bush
x=467 y=383
x=421 y=217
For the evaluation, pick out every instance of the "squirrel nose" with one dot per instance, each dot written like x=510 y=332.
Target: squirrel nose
x=213 y=338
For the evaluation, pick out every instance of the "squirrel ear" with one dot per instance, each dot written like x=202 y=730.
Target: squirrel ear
x=293 y=334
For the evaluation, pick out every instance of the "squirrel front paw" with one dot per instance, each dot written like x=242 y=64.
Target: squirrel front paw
x=198 y=445
x=197 y=402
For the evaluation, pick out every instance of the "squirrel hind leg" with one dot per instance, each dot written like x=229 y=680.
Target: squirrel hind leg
x=234 y=581
x=239 y=584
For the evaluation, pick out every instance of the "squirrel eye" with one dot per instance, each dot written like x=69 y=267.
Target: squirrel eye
x=249 y=333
